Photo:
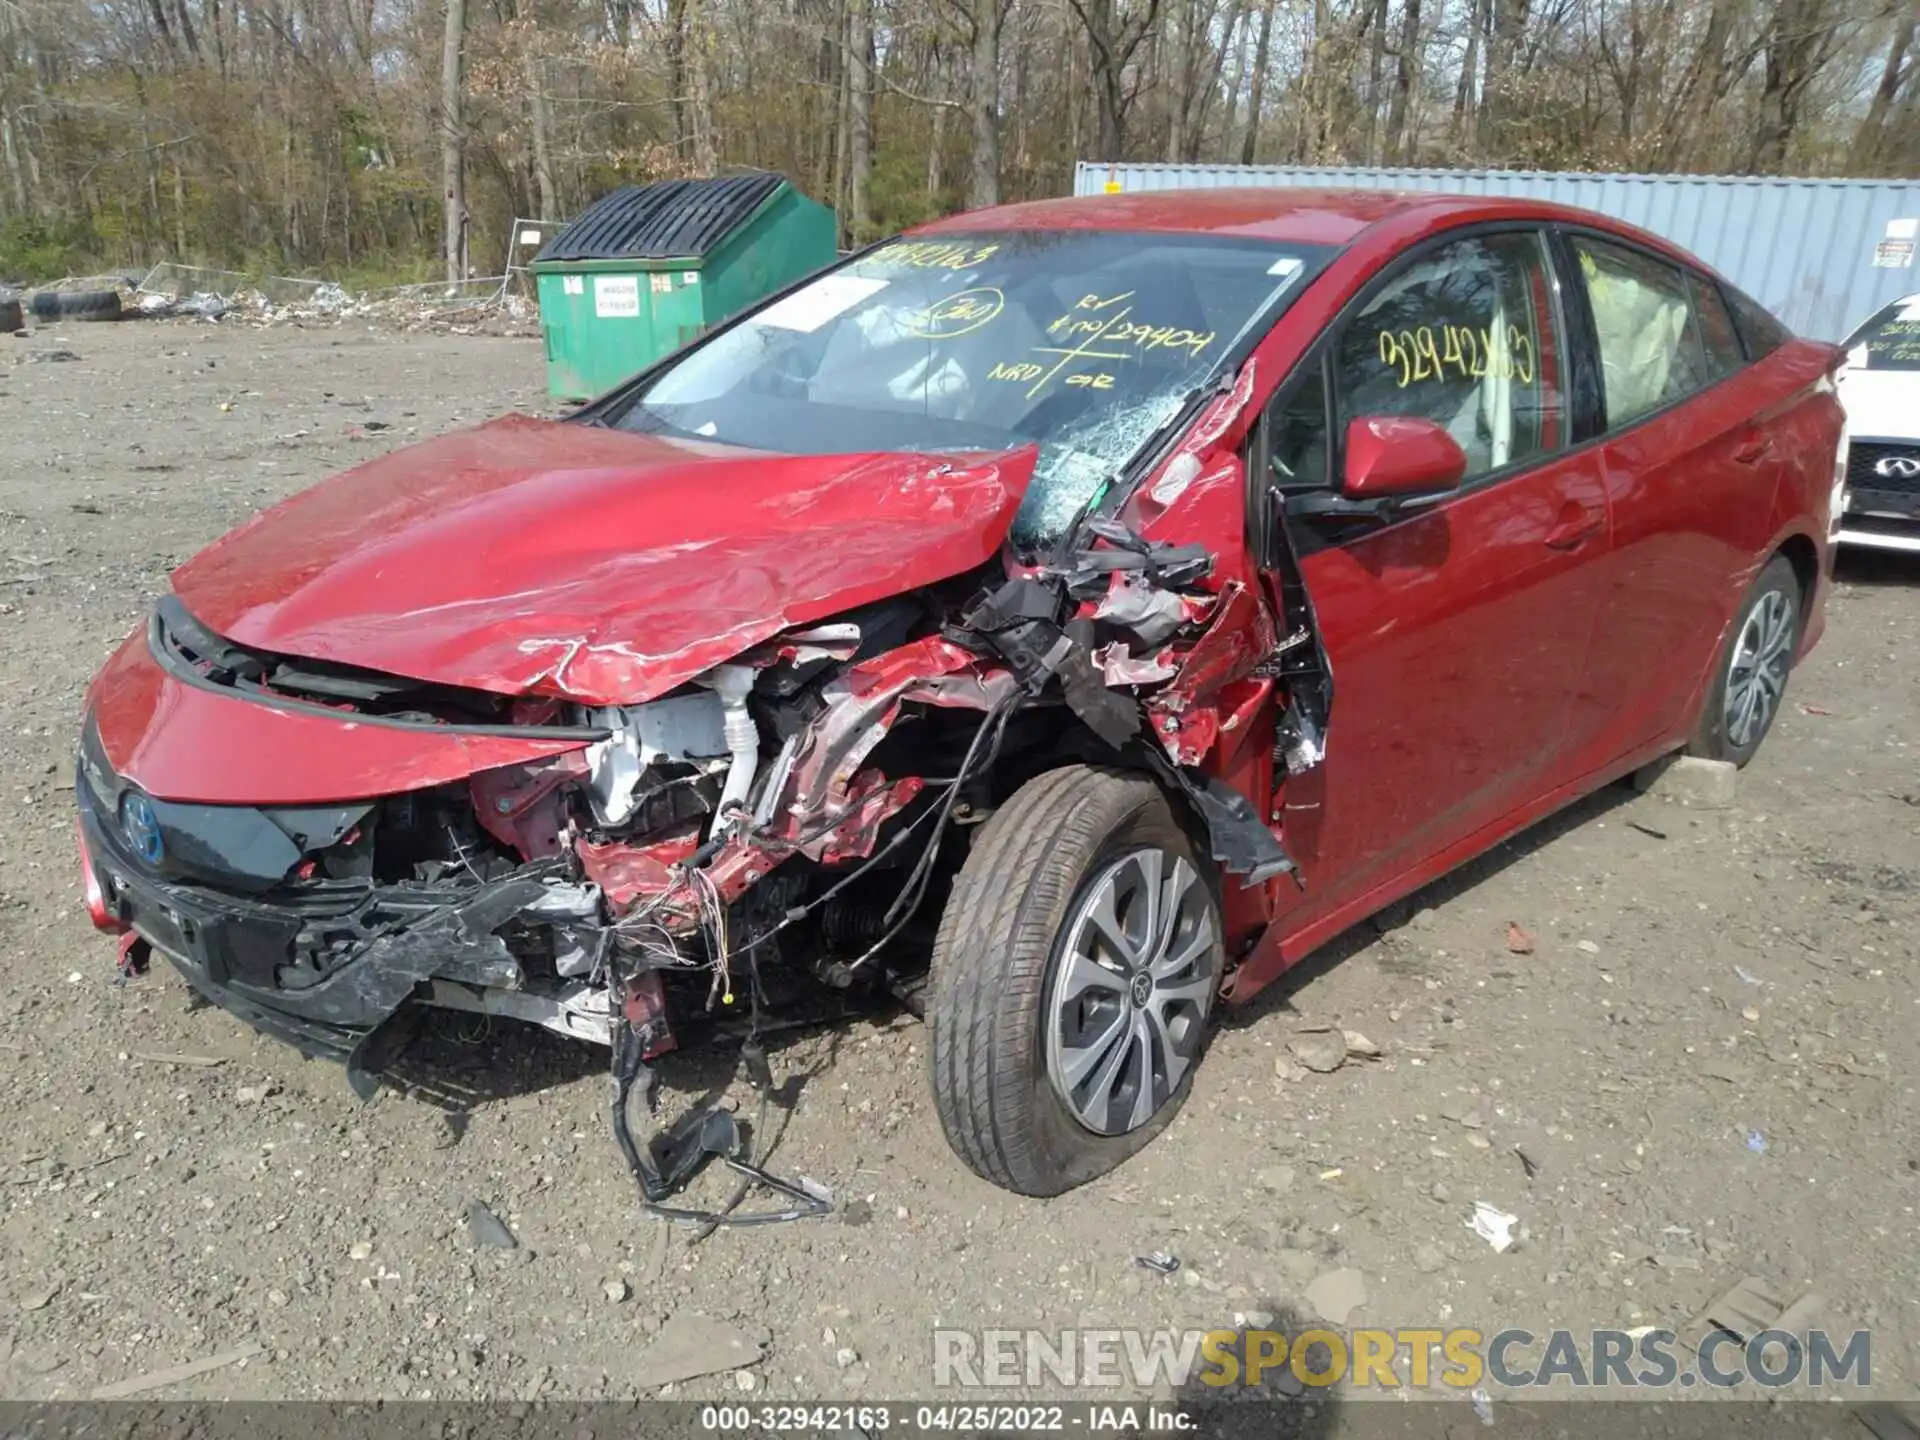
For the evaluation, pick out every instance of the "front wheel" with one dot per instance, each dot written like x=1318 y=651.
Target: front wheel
x=1751 y=682
x=1076 y=965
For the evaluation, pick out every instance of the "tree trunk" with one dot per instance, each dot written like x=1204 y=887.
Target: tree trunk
x=700 y=106
x=1111 y=48
x=1209 y=85
x=1869 y=139
x=1178 y=59
x=538 y=123
x=842 y=126
x=1237 y=85
x=1399 y=112
x=453 y=178
x=16 y=176
x=983 y=187
x=1799 y=31
x=676 y=47
x=1464 y=95
x=1250 y=139
x=859 y=118
x=934 y=155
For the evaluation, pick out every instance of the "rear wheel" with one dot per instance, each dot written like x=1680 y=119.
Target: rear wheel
x=1751 y=683
x=1073 y=975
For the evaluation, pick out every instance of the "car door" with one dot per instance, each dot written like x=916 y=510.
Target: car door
x=1690 y=463
x=1456 y=633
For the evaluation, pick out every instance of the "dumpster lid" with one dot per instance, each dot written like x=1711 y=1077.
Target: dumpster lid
x=670 y=219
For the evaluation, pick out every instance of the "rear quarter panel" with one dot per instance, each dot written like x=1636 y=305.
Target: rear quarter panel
x=1797 y=406
x=1807 y=424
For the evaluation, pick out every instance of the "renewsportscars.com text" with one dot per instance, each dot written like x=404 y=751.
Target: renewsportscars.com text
x=1456 y=1358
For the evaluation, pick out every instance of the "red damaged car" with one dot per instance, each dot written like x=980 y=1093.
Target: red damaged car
x=1064 y=616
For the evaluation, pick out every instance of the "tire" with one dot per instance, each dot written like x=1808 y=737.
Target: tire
x=77 y=305
x=1015 y=934
x=1760 y=647
x=10 y=317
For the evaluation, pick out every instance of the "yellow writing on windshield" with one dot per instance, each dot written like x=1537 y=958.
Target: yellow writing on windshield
x=1089 y=320
x=1429 y=353
x=959 y=314
x=932 y=254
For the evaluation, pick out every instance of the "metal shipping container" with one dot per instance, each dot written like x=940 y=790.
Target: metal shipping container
x=1821 y=254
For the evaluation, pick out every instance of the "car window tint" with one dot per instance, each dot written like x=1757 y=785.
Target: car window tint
x=1760 y=333
x=1464 y=336
x=1717 y=335
x=1650 y=350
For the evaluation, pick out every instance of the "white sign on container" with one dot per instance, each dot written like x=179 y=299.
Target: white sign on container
x=616 y=296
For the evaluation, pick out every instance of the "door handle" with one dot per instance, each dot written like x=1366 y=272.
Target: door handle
x=1572 y=530
x=1755 y=448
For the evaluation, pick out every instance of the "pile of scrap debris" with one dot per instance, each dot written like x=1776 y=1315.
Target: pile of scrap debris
x=169 y=290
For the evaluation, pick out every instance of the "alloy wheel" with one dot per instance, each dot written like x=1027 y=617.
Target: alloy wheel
x=1757 y=674
x=1127 y=1008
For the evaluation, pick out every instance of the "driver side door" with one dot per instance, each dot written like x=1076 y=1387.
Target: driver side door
x=1455 y=631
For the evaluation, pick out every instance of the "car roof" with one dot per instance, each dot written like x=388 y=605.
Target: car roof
x=1299 y=215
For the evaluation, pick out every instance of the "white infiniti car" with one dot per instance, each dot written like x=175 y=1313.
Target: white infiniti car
x=1880 y=388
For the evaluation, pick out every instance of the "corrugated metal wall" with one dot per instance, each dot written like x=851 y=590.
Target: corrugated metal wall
x=1803 y=248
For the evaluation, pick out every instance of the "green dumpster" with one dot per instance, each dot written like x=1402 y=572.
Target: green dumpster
x=647 y=268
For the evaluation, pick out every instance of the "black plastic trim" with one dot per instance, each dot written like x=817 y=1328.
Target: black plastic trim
x=187 y=675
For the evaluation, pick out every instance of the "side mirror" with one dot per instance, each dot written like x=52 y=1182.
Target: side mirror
x=1400 y=457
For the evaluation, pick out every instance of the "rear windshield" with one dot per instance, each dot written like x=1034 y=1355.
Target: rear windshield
x=1087 y=344
x=1890 y=340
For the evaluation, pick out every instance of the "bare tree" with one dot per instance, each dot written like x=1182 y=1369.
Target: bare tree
x=453 y=142
x=859 y=116
x=1873 y=139
x=1250 y=137
x=1800 y=39
x=392 y=134
x=1115 y=30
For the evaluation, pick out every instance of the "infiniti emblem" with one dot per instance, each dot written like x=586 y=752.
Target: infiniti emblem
x=141 y=827
x=1901 y=467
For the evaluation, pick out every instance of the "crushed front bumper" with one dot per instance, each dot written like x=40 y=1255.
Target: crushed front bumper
x=281 y=965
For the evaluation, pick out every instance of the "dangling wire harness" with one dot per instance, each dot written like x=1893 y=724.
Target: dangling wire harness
x=665 y=1164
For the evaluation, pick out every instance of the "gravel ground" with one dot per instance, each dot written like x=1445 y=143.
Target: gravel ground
x=1708 y=1058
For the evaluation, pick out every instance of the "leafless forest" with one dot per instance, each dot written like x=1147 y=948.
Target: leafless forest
x=363 y=137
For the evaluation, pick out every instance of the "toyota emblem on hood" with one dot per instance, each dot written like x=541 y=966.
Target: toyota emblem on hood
x=1898 y=467
x=141 y=827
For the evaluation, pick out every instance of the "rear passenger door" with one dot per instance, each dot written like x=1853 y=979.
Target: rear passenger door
x=1690 y=471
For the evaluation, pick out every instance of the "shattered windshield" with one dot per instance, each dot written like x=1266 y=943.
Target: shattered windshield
x=1084 y=343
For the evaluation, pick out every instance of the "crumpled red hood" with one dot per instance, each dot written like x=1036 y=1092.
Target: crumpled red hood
x=533 y=557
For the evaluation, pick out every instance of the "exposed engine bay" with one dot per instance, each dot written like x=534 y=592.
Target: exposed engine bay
x=769 y=843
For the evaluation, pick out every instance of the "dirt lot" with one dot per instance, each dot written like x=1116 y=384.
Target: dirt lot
x=1710 y=1056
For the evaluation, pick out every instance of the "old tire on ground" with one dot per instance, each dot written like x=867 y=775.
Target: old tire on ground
x=77 y=305
x=1076 y=963
x=10 y=317
x=1750 y=679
